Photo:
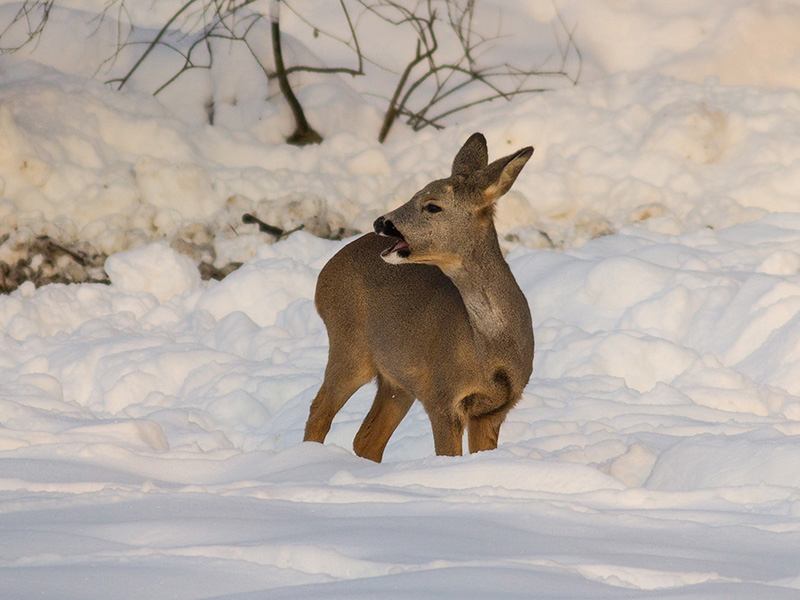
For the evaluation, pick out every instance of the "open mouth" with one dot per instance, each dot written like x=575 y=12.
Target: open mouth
x=400 y=247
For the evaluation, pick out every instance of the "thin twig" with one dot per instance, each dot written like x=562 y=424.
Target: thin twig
x=155 y=42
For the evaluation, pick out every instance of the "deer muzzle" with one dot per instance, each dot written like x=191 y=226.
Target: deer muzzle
x=400 y=249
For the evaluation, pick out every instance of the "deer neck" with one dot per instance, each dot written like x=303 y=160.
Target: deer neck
x=487 y=287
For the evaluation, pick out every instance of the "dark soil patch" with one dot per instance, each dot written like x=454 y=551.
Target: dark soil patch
x=45 y=260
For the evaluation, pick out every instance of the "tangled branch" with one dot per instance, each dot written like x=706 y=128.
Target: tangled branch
x=432 y=85
x=35 y=14
x=450 y=69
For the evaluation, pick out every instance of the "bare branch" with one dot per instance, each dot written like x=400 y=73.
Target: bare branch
x=444 y=80
x=35 y=22
x=505 y=95
x=303 y=134
x=450 y=69
x=155 y=42
x=355 y=47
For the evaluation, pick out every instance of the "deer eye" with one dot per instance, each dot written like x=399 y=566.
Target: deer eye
x=432 y=208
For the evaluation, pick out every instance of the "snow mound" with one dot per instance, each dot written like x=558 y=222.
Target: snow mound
x=154 y=269
x=713 y=462
x=151 y=430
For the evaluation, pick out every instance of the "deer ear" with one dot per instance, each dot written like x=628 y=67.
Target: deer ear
x=472 y=157
x=497 y=178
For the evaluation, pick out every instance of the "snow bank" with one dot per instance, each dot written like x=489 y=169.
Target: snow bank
x=156 y=269
x=662 y=385
x=150 y=430
x=630 y=145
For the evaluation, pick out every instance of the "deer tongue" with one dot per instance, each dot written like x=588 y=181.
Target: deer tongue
x=398 y=245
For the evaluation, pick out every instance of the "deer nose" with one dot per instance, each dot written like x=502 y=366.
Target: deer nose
x=384 y=226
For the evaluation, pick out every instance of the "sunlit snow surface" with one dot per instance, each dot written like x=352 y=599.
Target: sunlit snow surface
x=150 y=430
x=151 y=448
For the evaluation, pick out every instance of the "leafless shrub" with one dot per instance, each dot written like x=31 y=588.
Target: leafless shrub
x=430 y=87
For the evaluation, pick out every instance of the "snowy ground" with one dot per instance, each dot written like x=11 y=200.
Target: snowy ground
x=150 y=430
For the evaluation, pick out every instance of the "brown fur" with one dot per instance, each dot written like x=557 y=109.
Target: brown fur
x=449 y=326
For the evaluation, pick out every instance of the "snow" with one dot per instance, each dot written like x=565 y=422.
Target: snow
x=155 y=268
x=150 y=429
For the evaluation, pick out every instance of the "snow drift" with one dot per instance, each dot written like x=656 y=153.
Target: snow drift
x=150 y=429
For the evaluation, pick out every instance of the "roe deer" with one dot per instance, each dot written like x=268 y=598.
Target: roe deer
x=429 y=306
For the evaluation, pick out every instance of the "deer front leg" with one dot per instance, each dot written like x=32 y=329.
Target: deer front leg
x=391 y=404
x=342 y=379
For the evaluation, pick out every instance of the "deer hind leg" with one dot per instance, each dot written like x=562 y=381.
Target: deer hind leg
x=343 y=376
x=484 y=430
x=391 y=404
x=448 y=430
